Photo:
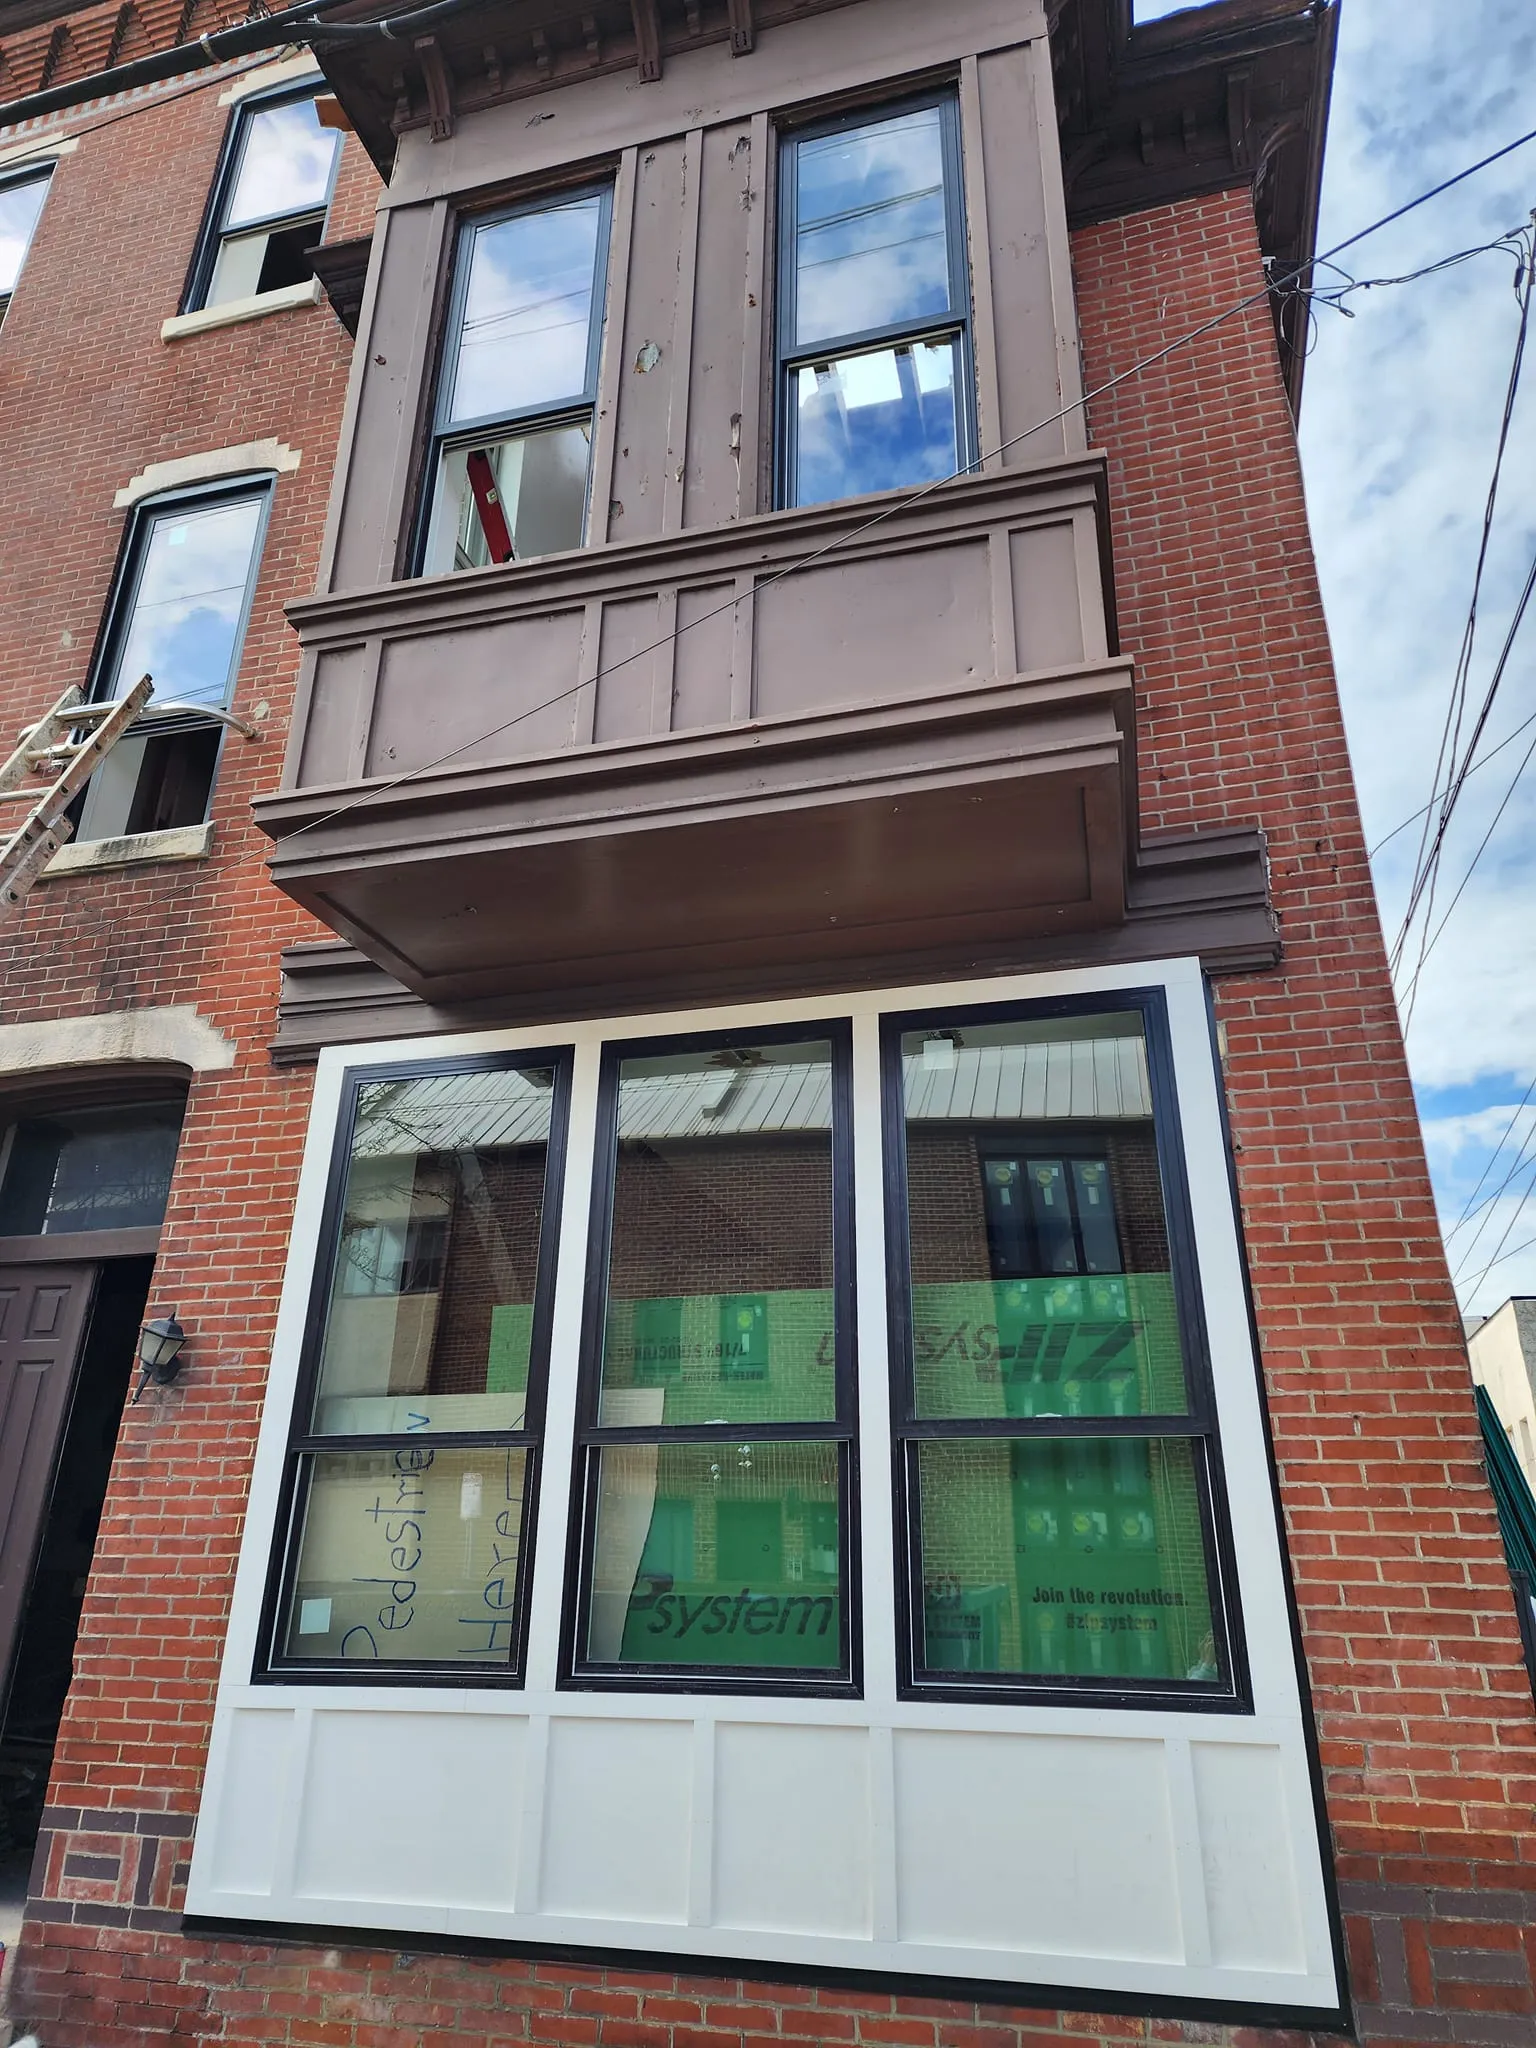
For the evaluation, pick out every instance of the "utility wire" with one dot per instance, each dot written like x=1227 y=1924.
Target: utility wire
x=1502 y=1260
x=1499 y=1253
x=1414 y=816
x=1467 y=1254
x=916 y=497
x=1492 y=1156
x=1449 y=757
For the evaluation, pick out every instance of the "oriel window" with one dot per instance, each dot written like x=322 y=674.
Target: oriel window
x=874 y=348
x=178 y=614
x=269 y=201
x=512 y=434
x=414 y=1461
x=21 y=206
x=716 y=1475
x=1057 y=1470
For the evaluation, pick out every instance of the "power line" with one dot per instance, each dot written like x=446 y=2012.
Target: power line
x=1499 y=1254
x=1502 y=1260
x=1414 y=816
x=1492 y=1156
x=925 y=491
x=1464 y=1257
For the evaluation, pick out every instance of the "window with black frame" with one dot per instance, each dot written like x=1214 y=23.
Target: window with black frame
x=1058 y=1479
x=512 y=429
x=413 y=1466
x=269 y=202
x=178 y=614
x=21 y=207
x=716 y=1477
x=874 y=305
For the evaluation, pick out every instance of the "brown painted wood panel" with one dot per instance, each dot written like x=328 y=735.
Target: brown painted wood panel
x=43 y=1314
x=653 y=321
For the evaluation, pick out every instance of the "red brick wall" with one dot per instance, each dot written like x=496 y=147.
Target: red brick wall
x=1426 y=1724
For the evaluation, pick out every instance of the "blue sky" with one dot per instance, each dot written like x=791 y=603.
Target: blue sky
x=1398 y=430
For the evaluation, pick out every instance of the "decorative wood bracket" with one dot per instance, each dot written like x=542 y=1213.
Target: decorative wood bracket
x=743 y=27
x=647 y=40
x=1240 y=119
x=434 y=74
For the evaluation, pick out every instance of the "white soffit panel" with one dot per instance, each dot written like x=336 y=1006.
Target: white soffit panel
x=618 y=1802
x=1058 y=1844
x=368 y=1771
x=792 y=1830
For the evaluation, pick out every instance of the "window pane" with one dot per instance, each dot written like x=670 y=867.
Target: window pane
x=872 y=244
x=20 y=206
x=410 y=1554
x=95 y=1169
x=1041 y=1278
x=721 y=1554
x=875 y=422
x=510 y=500
x=285 y=165
x=720 y=1281
x=1082 y=1557
x=430 y=1324
x=184 y=629
x=527 y=312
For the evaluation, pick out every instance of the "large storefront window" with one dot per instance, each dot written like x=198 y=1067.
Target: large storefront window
x=1061 y=1524
x=714 y=1482
x=413 y=1471
x=1054 y=1464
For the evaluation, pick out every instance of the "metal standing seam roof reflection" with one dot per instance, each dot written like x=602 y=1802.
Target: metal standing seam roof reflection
x=1101 y=1080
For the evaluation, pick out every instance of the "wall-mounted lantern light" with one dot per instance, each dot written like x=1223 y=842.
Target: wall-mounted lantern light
x=160 y=1345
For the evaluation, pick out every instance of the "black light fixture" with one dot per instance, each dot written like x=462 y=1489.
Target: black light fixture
x=160 y=1345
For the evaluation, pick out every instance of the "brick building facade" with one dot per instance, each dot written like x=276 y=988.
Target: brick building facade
x=1420 y=1705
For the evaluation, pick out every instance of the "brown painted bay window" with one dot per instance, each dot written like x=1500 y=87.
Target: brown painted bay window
x=1061 y=1527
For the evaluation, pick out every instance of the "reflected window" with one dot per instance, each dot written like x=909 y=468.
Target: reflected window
x=1056 y=1445
x=517 y=387
x=88 y=1169
x=178 y=615
x=416 y=1457
x=21 y=206
x=715 y=1467
x=874 y=307
x=269 y=202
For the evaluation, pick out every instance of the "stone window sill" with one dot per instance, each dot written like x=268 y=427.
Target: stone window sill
x=236 y=310
x=138 y=849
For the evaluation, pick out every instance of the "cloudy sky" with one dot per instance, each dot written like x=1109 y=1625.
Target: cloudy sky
x=1399 y=428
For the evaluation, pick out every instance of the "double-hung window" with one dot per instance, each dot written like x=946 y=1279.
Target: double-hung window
x=716 y=1477
x=21 y=206
x=413 y=1466
x=1055 y=1459
x=874 y=355
x=269 y=202
x=517 y=386
x=178 y=614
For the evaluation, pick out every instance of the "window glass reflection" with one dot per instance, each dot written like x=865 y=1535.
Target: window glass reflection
x=194 y=568
x=21 y=206
x=510 y=500
x=1041 y=1278
x=92 y=1169
x=876 y=422
x=1080 y=1557
x=720 y=1303
x=430 y=1322
x=286 y=159
x=409 y=1555
x=871 y=245
x=723 y=1555
x=526 y=327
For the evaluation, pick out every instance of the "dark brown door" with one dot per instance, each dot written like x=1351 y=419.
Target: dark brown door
x=43 y=1314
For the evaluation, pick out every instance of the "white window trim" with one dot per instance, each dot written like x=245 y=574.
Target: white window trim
x=275 y=1825
x=308 y=292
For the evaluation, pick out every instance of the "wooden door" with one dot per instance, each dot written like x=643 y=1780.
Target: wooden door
x=43 y=1315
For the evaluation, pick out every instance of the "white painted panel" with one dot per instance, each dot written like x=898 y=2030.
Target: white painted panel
x=1058 y=1844
x=1248 y=1850
x=256 y=1791
x=618 y=1803
x=792 y=1833
x=412 y=1808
